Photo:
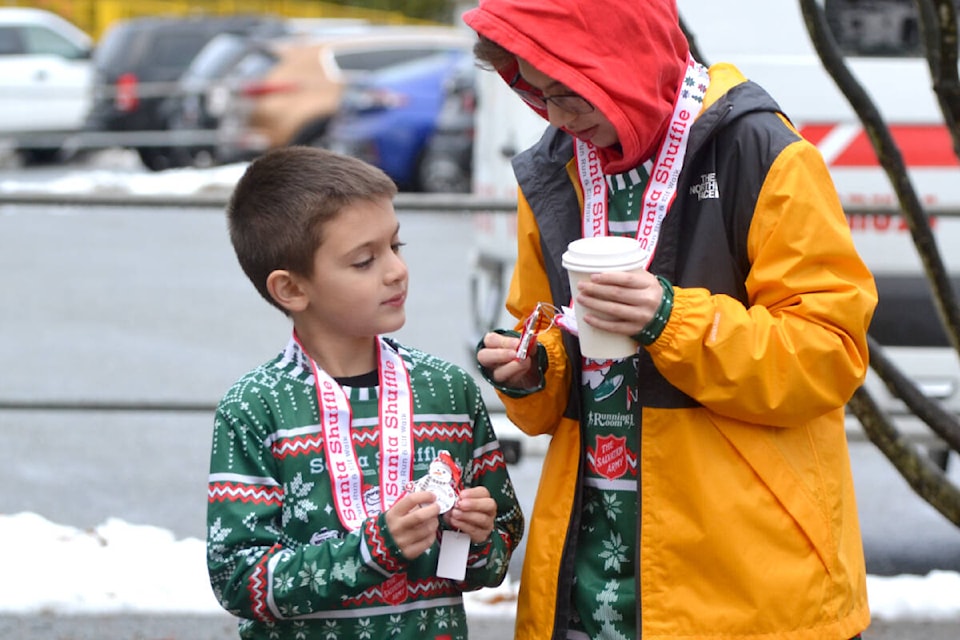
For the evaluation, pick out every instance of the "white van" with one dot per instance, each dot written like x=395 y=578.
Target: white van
x=46 y=79
x=769 y=43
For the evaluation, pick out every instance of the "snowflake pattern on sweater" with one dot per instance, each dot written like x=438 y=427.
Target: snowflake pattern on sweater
x=277 y=554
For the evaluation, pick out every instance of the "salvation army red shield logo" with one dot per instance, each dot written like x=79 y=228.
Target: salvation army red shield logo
x=394 y=590
x=609 y=458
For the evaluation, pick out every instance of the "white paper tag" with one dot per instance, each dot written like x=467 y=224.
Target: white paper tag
x=454 y=551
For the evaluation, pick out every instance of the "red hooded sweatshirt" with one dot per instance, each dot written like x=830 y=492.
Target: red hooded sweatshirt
x=627 y=58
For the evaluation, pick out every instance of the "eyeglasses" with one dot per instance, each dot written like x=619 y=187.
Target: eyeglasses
x=541 y=319
x=569 y=102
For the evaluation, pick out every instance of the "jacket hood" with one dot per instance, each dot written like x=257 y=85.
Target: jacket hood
x=627 y=58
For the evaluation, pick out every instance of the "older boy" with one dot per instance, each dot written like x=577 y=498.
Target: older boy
x=316 y=528
x=700 y=488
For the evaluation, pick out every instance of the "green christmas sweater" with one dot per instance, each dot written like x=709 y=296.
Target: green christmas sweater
x=277 y=554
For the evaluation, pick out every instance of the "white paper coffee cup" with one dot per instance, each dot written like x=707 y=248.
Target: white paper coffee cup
x=596 y=255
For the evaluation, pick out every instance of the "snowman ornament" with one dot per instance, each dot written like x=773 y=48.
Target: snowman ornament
x=442 y=480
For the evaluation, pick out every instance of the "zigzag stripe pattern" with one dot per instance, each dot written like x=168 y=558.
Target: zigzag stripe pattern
x=431 y=587
x=257 y=588
x=490 y=461
x=298 y=446
x=378 y=546
x=233 y=492
x=448 y=432
x=313 y=443
x=365 y=436
x=431 y=431
x=421 y=590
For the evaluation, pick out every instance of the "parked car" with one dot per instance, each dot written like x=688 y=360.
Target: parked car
x=138 y=62
x=447 y=164
x=194 y=109
x=387 y=117
x=45 y=80
x=294 y=100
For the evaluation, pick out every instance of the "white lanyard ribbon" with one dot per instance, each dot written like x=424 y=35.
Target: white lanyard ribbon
x=396 y=436
x=661 y=188
x=594 y=185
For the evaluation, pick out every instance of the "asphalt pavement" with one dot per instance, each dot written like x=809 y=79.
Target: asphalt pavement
x=223 y=627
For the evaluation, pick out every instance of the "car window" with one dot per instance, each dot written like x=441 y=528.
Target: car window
x=882 y=28
x=11 y=43
x=176 y=49
x=253 y=65
x=403 y=71
x=40 y=40
x=216 y=57
x=117 y=48
x=371 y=60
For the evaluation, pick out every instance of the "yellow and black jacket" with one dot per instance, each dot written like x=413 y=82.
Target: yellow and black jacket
x=748 y=524
x=747 y=518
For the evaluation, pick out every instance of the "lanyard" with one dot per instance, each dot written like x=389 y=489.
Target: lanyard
x=395 y=403
x=661 y=188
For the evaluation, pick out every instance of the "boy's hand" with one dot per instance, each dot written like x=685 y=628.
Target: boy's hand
x=413 y=523
x=473 y=514
x=499 y=356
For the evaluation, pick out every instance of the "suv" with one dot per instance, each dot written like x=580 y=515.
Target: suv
x=138 y=63
x=447 y=165
x=194 y=109
x=45 y=79
x=292 y=101
x=387 y=117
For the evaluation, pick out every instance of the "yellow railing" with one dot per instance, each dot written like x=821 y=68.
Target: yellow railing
x=95 y=16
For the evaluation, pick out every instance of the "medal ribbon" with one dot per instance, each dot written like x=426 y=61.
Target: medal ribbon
x=661 y=188
x=594 y=185
x=395 y=434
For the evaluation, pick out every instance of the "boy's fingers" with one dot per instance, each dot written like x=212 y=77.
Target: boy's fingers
x=411 y=501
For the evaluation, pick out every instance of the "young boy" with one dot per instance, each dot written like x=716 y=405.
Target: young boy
x=316 y=525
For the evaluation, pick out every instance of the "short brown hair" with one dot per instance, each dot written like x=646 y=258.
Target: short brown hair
x=281 y=203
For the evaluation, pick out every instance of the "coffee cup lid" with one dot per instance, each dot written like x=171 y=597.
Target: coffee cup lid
x=603 y=253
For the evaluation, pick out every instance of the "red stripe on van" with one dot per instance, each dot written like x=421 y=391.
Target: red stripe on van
x=816 y=132
x=921 y=146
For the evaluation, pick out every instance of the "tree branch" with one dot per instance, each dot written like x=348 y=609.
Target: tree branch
x=919 y=472
x=931 y=412
x=938 y=28
x=892 y=162
x=924 y=477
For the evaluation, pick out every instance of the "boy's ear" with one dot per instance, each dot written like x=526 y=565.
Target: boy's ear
x=285 y=288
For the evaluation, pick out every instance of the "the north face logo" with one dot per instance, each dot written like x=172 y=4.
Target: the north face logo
x=707 y=188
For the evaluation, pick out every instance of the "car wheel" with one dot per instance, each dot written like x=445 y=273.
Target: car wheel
x=312 y=135
x=32 y=157
x=155 y=159
x=189 y=157
x=439 y=173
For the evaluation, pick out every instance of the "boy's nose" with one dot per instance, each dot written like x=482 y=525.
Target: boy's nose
x=558 y=116
x=397 y=270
